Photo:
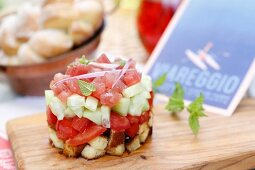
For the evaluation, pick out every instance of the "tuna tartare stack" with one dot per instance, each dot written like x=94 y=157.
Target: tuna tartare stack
x=99 y=107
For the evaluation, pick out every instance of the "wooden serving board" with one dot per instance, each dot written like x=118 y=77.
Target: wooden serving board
x=223 y=143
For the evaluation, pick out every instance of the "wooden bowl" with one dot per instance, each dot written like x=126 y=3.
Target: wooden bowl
x=33 y=79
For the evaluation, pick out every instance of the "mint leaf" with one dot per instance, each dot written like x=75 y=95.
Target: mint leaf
x=83 y=60
x=159 y=82
x=176 y=102
x=196 y=111
x=86 y=88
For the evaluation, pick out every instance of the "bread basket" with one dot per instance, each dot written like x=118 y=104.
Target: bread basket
x=34 y=79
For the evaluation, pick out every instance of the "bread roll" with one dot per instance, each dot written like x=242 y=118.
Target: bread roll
x=50 y=43
x=80 y=31
x=27 y=21
x=48 y=2
x=90 y=11
x=27 y=56
x=8 y=41
x=58 y=16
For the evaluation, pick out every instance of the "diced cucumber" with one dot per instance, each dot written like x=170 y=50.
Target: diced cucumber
x=133 y=90
x=56 y=141
x=69 y=113
x=49 y=94
x=57 y=108
x=76 y=104
x=122 y=106
x=146 y=106
x=145 y=94
x=146 y=82
x=105 y=116
x=137 y=105
x=95 y=116
x=91 y=103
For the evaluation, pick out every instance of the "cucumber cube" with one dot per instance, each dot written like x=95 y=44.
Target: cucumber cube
x=122 y=106
x=146 y=82
x=133 y=90
x=76 y=104
x=69 y=113
x=95 y=116
x=145 y=94
x=91 y=103
x=49 y=94
x=146 y=106
x=105 y=110
x=137 y=105
x=57 y=108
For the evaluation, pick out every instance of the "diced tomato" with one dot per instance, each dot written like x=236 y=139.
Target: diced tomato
x=51 y=118
x=151 y=99
x=119 y=123
x=132 y=131
x=78 y=70
x=119 y=86
x=144 y=117
x=100 y=87
x=133 y=119
x=73 y=86
x=86 y=136
x=80 y=124
x=65 y=129
x=110 y=98
x=109 y=79
x=132 y=77
x=64 y=95
x=132 y=64
x=103 y=59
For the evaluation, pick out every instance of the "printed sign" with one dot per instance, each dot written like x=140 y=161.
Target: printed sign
x=208 y=47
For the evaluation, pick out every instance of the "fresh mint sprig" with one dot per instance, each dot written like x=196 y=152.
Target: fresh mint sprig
x=195 y=109
x=176 y=102
x=159 y=82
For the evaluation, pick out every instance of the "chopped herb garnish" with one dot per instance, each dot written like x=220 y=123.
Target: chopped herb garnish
x=86 y=88
x=176 y=102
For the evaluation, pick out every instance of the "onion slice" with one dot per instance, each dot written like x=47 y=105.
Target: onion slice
x=104 y=65
x=123 y=71
x=88 y=75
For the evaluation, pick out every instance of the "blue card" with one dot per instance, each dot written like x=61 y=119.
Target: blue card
x=208 y=47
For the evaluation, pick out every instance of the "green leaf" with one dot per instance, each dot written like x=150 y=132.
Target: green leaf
x=83 y=60
x=86 y=88
x=196 y=111
x=159 y=82
x=176 y=102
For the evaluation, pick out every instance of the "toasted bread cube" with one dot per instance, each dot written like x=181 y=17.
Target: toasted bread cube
x=144 y=131
x=134 y=144
x=55 y=140
x=150 y=121
x=99 y=143
x=116 y=138
x=90 y=152
x=118 y=150
x=72 y=151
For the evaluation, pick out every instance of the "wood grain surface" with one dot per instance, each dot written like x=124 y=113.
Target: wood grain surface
x=223 y=143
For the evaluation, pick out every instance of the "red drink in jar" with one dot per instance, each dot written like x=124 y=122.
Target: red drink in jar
x=153 y=17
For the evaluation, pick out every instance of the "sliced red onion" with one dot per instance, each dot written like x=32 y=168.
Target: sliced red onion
x=104 y=65
x=123 y=71
x=88 y=75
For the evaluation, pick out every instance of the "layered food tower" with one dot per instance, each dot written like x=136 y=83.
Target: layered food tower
x=99 y=107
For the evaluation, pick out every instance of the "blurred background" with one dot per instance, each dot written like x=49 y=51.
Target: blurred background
x=40 y=37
